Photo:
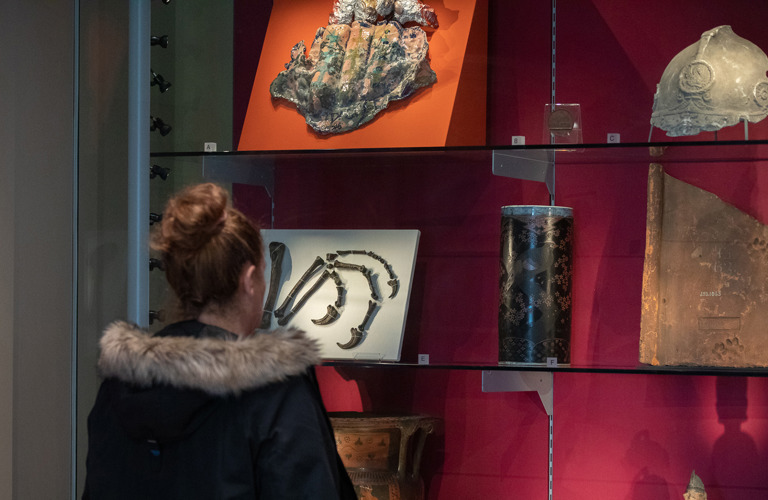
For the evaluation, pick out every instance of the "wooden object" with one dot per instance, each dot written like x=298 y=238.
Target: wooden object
x=704 y=287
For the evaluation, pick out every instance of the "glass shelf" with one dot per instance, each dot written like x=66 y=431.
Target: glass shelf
x=666 y=151
x=638 y=370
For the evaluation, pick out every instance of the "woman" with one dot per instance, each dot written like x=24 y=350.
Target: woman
x=206 y=408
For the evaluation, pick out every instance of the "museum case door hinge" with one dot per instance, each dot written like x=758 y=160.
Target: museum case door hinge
x=513 y=381
x=529 y=164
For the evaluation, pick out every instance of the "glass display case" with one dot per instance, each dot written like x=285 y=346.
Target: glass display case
x=607 y=426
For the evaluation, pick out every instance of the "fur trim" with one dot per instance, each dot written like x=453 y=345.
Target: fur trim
x=216 y=366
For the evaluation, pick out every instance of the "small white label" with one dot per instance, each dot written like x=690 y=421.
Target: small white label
x=614 y=138
x=423 y=359
x=209 y=147
x=518 y=140
x=551 y=362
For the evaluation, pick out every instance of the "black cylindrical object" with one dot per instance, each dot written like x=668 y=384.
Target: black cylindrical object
x=535 y=285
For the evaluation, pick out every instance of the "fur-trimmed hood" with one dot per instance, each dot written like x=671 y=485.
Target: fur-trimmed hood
x=216 y=366
x=167 y=422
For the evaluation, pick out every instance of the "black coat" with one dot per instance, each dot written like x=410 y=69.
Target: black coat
x=195 y=413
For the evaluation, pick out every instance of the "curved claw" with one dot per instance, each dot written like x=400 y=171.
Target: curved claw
x=357 y=337
x=357 y=333
x=331 y=316
x=395 y=284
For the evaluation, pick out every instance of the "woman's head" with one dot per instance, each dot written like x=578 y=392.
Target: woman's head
x=205 y=246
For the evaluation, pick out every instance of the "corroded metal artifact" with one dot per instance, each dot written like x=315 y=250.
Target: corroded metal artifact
x=352 y=72
x=402 y=11
x=695 y=490
x=704 y=287
x=714 y=83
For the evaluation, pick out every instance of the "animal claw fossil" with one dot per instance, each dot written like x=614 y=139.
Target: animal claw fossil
x=283 y=319
x=393 y=281
x=339 y=289
x=368 y=273
x=331 y=316
x=319 y=271
x=357 y=337
x=395 y=284
x=357 y=333
x=276 y=254
x=316 y=265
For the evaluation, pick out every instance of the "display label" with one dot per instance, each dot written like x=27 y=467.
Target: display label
x=552 y=362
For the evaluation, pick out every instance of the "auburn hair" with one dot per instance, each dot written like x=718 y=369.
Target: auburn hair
x=204 y=244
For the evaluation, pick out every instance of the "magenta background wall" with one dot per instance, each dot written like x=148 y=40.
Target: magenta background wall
x=616 y=436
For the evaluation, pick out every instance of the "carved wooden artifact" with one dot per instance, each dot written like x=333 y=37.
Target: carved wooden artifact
x=704 y=286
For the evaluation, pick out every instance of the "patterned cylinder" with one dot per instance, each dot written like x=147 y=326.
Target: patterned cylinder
x=535 y=285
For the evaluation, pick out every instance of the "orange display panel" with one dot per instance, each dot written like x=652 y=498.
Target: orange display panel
x=450 y=112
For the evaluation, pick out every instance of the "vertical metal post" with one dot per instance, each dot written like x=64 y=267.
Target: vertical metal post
x=138 y=156
x=553 y=47
x=75 y=242
x=553 y=101
x=551 y=454
x=551 y=443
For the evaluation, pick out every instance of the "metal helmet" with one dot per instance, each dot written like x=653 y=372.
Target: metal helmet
x=714 y=83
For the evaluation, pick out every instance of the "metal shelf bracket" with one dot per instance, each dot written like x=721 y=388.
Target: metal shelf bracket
x=241 y=170
x=529 y=164
x=510 y=381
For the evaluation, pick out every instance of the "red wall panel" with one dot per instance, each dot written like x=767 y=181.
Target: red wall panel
x=622 y=436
